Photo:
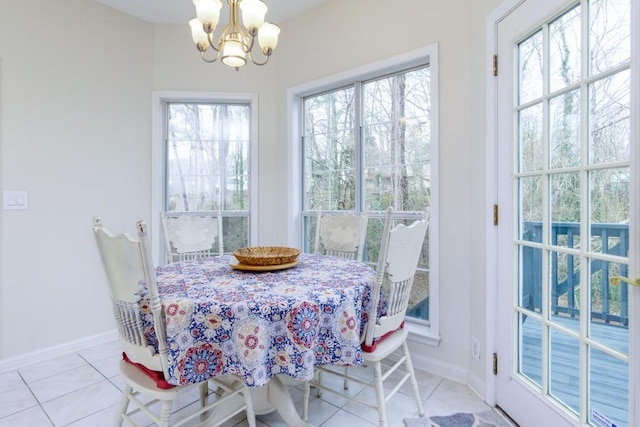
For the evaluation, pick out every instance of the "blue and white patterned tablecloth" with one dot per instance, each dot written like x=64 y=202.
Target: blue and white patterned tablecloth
x=259 y=324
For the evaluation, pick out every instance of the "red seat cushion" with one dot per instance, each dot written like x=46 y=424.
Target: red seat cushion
x=371 y=348
x=156 y=376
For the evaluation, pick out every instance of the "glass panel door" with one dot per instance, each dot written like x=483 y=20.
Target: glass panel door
x=565 y=181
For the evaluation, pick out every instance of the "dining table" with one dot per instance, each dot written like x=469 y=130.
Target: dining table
x=262 y=324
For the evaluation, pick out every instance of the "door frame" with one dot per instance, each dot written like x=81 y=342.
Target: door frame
x=491 y=196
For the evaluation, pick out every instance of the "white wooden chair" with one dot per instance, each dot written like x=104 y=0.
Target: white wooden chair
x=189 y=236
x=399 y=253
x=341 y=234
x=127 y=263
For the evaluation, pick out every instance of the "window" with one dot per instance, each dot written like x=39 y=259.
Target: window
x=205 y=165
x=369 y=141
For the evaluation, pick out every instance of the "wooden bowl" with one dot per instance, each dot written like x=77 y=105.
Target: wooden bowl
x=266 y=255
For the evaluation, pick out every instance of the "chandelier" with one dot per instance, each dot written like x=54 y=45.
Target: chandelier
x=235 y=43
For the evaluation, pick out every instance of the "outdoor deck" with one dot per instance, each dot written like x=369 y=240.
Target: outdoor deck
x=608 y=377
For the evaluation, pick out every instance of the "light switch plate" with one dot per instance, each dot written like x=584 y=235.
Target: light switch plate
x=15 y=200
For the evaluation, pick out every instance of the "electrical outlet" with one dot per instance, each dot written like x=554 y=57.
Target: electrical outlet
x=475 y=348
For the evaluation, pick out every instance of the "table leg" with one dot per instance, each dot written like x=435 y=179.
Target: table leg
x=275 y=396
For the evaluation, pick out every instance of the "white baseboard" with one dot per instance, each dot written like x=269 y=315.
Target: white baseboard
x=447 y=370
x=56 y=351
x=477 y=385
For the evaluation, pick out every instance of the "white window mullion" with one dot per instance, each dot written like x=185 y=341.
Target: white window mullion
x=546 y=218
x=585 y=219
x=359 y=135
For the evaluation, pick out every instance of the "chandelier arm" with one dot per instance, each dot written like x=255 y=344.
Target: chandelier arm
x=252 y=37
x=256 y=62
x=212 y=44
x=205 y=59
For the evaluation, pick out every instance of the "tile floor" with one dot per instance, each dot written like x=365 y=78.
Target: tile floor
x=83 y=389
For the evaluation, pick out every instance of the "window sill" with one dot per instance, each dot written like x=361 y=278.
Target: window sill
x=423 y=334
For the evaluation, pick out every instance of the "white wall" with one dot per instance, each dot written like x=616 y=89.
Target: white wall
x=75 y=132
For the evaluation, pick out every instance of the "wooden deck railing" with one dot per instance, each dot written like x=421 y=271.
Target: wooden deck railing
x=613 y=239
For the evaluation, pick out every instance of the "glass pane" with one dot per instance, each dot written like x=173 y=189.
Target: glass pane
x=397 y=98
x=609 y=389
x=564 y=49
x=212 y=122
x=531 y=209
x=309 y=232
x=530 y=67
x=564 y=133
x=343 y=190
x=609 y=39
x=565 y=234
x=378 y=148
x=316 y=150
x=329 y=113
x=609 y=305
x=207 y=155
x=531 y=283
x=531 y=139
x=396 y=141
x=564 y=381
x=418 y=177
x=329 y=150
x=530 y=355
x=565 y=290
x=378 y=188
x=419 y=298
x=236 y=195
x=235 y=232
x=609 y=119
x=316 y=191
x=609 y=190
x=565 y=198
x=374 y=236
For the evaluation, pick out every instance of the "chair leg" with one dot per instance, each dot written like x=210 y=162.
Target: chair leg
x=165 y=413
x=377 y=378
x=124 y=404
x=251 y=415
x=318 y=389
x=346 y=378
x=305 y=401
x=203 y=389
x=204 y=394
x=414 y=381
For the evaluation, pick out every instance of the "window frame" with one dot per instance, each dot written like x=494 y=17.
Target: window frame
x=160 y=99
x=420 y=331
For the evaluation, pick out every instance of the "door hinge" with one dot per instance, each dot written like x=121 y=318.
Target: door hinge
x=495 y=65
x=495 y=214
x=495 y=363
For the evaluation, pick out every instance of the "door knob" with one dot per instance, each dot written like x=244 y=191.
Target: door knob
x=616 y=279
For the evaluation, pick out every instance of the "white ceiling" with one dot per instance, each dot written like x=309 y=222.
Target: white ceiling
x=181 y=11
